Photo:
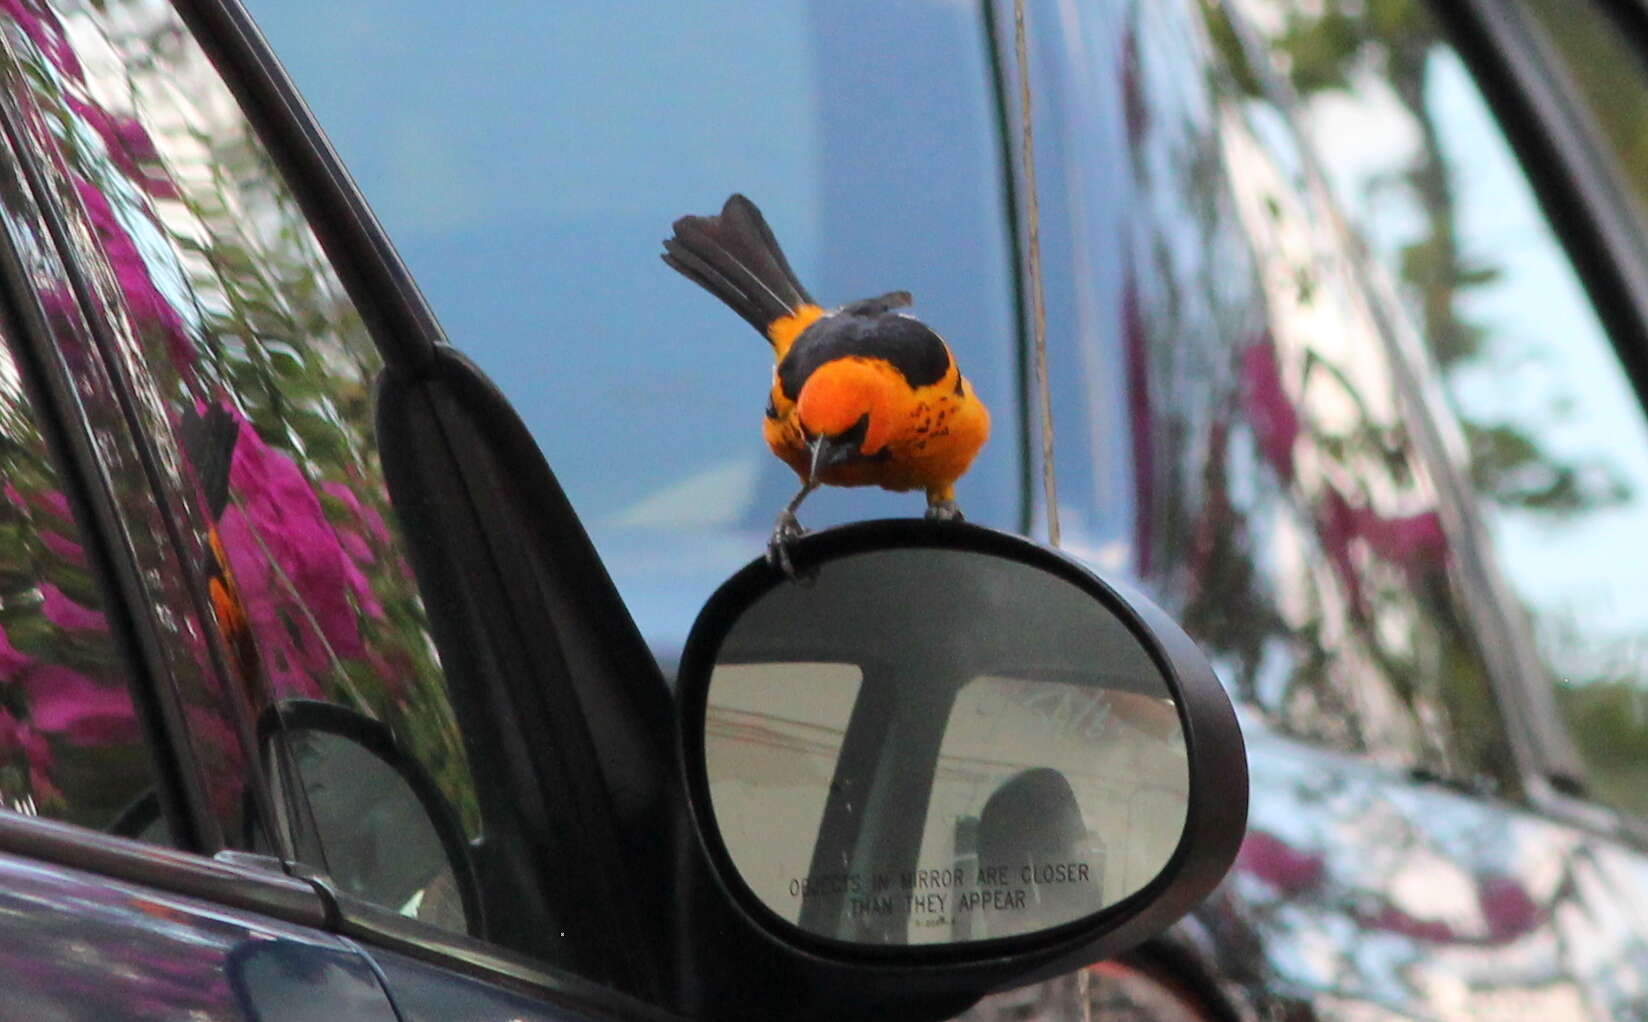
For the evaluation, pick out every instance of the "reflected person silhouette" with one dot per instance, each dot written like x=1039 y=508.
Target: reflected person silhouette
x=1032 y=827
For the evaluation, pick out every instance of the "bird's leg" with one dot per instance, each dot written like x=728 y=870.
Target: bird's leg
x=786 y=531
x=942 y=506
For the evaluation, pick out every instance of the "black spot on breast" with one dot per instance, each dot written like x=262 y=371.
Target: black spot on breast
x=855 y=433
x=907 y=344
x=772 y=409
x=961 y=386
x=854 y=436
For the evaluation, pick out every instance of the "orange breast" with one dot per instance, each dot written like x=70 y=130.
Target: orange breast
x=919 y=439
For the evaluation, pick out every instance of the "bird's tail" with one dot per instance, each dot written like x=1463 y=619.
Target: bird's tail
x=735 y=257
x=209 y=441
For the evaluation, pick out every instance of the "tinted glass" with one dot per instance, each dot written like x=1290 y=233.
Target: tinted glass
x=70 y=744
x=65 y=297
x=533 y=156
x=1556 y=439
x=1014 y=761
x=251 y=375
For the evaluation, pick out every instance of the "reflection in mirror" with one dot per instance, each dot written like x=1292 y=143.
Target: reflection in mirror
x=931 y=746
x=369 y=828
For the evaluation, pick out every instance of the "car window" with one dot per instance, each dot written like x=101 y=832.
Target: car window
x=1556 y=440
x=72 y=746
x=534 y=156
x=251 y=373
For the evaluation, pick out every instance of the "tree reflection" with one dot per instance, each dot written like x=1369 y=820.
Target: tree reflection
x=215 y=294
x=1339 y=45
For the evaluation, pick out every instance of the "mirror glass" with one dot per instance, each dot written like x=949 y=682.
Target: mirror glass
x=922 y=746
x=367 y=826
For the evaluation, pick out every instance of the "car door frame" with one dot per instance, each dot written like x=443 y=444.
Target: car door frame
x=412 y=346
x=580 y=664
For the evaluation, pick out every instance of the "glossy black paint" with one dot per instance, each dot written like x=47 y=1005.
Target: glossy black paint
x=1419 y=876
x=1385 y=863
x=851 y=977
x=82 y=944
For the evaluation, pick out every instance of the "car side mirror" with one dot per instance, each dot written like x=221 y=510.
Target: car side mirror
x=946 y=745
x=373 y=817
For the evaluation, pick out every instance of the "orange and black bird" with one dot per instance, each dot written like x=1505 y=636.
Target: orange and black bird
x=209 y=443
x=862 y=395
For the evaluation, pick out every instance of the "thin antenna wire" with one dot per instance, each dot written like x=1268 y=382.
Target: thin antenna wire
x=1050 y=492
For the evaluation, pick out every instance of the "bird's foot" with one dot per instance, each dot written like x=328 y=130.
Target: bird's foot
x=944 y=511
x=786 y=531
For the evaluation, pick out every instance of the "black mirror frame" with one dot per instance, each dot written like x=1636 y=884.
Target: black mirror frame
x=1216 y=812
x=376 y=738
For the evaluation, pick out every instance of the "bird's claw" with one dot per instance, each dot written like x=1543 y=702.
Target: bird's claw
x=787 y=530
x=944 y=511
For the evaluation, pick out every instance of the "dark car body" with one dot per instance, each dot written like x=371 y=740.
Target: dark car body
x=1272 y=395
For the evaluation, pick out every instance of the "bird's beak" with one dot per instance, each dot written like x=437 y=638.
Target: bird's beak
x=829 y=451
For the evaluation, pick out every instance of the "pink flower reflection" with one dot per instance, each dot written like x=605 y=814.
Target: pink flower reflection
x=16 y=736
x=63 y=546
x=143 y=299
x=306 y=580
x=1506 y=905
x=353 y=541
x=65 y=613
x=129 y=146
x=12 y=662
x=43 y=29
x=1279 y=864
x=1269 y=411
x=65 y=702
x=216 y=743
x=1414 y=542
x=1390 y=919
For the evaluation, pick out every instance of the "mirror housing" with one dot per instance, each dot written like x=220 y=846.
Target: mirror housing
x=824 y=720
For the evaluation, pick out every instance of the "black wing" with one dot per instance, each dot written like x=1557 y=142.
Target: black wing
x=909 y=344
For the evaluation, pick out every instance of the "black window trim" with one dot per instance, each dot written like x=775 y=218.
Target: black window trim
x=397 y=315
x=159 y=692
x=627 y=712
x=376 y=926
x=233 y=884
x=85 y=480
x=1567 y=161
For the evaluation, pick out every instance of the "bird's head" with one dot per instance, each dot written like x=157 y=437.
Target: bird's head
x=845 y=410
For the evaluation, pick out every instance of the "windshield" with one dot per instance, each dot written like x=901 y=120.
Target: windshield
x=528 y=158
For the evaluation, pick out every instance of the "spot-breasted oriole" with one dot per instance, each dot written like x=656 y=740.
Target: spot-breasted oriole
x=209 y=443
x=862 y=395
